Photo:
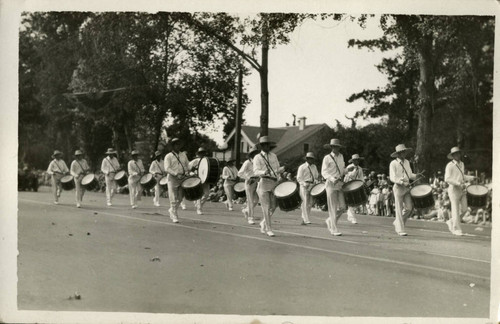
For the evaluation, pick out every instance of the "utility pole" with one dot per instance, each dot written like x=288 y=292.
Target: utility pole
x=237 y=134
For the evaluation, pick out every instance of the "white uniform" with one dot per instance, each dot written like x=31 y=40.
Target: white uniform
x=266 y=163
x=307 y=176
x=333 y=170
x=193 y=167
x=354 y=174
x=455 y=176
x=246 y=172
x=229 y=174
x=400 y=174
x=157 y=169
x=176 y=166
x=78 y=169
x=109 y=167
x=57 y=169
x=135 y=172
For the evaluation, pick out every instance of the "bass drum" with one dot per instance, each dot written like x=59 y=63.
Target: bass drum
x=422 y=196
x=208 y=170
x=164 y=183
x=239 y=189
x=355 y=193
x=192 y=188
x=477 y=196
x=68 y=182
x=318 y=192
x=121 y=178
x=147 y=181
x=90 y=182
x=287 y=195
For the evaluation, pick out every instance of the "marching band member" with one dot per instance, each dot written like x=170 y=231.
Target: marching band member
x=230 y=175
x=354 y=172
x=455 y=176
x=266 y=166
x=246 y=172
x=157 y=169
x=135 y=172
x=400 y=174
x=78 y=169
x=57 y=169
x=109 y=167
x=176 y=166
x=333 y=170
x=193 y=167
x=307 y=176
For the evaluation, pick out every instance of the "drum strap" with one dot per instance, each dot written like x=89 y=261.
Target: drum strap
x=404 y=169
x=232 y=174
x=338 y=169
x=55 y=161
x=111 y=165
x=138 y=168
x=83 y=170
x=312 y=175
x=268 y=165
x=463 y=176
x=183 y=170
x=159 y=167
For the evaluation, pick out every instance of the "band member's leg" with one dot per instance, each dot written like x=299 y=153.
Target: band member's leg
x=408 y=204
x=54 y=188
x=304 y=204
x=265 y=201
x=156 y=198
x=228 y=190
x=399 y=197
x=131 y=191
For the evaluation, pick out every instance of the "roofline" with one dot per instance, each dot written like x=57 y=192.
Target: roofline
x=281 y=149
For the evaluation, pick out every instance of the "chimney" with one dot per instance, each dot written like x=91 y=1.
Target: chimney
x=302 y=123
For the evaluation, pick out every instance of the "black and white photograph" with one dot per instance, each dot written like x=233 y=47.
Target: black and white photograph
x=249 y=162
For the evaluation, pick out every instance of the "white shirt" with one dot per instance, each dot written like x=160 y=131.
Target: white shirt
x=333 y=170
x=78 y=167
x=57 y=166
x=307 y=174
x=176 y=163
x=356 y=174
x=260 y=166
x=398 y=175
x=157 y=167
x=135 y=167
x=110 y=165
x=246 y=170
x=229 y=173
x=454 y=173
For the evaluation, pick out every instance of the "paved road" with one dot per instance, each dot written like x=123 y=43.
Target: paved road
x=217 y=264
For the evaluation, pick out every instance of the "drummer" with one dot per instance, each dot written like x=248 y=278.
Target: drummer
x=193 y=167
x=456 y=178
x=246 y=172
x=354 y=172
x=109 y=167
x=230 y=176
x=267 y=167
x=176 y=166
x=333 y=170
x=57 y=169
x=157 y=169
x=78 y=169
x=307 y=177
x=400 y=174
x=135 y=172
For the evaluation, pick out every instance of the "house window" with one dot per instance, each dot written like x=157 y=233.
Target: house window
x=306 y=147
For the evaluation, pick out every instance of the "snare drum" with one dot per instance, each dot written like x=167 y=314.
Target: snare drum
x=121 y=178
x=318 y=192
x=90 y=182
x=477 y=196
x=355 y=193
x=148 y=181
x=239 y=189
x=68 y=182
x=192 y=188
x=287 y=195
x=208 y=170
x=164 y=183
x=422 y=196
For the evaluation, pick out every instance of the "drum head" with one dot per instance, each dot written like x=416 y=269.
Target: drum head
x=191 y=182
x=317 y=189
x=119 y=174
x=421 y=190
x=67 y=178
x=163 y=181
x=88 y=179
x=203 y=169
x=477 y=190
x=285 y=188
x=239 y=186
x=353 y=185
x=146 y=178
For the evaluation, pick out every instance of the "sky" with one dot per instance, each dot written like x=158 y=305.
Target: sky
x=314 y=74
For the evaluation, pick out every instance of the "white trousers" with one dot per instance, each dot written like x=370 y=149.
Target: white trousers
x=175 y=193
x=134 y=189
x=336 y=204
x=79 y=189
x=252 y=198
x=228 y=189
x=351 y=213
x=56 y=185
x=305 y=195
x=268 y=204
x=200 y=202
x=402 y=199
x=458 y=201
x=110 y=186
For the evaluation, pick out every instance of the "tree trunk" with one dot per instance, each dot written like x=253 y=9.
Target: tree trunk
x=264 y=89
x=423 y=152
